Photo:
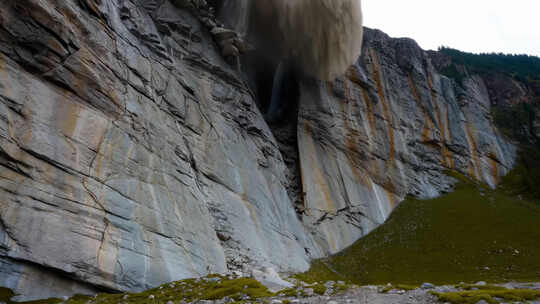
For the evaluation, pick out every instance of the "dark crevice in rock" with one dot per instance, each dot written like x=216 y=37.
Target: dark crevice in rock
x=15 y=165
x=287 y=139
x=49 y=161
x=284 y=127
x=92 y=7
x=279 y=103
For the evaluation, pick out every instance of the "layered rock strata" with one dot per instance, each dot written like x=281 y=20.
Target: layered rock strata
x=390 y=127
x=132 y=154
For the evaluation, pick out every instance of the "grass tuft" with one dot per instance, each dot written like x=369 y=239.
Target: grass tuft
x=399 y=287
x=480 y=287
x=490 y=296
x=190 y=290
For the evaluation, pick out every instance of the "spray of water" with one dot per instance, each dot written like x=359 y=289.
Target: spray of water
x=322 y=37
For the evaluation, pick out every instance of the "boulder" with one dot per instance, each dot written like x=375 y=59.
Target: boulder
x=271 y=279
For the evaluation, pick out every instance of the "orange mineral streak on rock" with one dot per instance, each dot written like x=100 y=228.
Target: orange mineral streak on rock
x=352 y=138
x=377 y=75
x=66 y=118
x=427 y=132
x=352 y=75
x=331 y=239
x=251 y=210
x=315 y=184
x=391 y=198
x=494 y=170
x=448 y=133
x=4 y=90
x=372 y=125
x=320 y=180
x=67 y=115
x=370 y=114
x=475 y=168
x=352 y=141
x=447 y=158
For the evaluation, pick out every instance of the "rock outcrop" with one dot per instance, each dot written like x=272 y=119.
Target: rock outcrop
x=132 y=154
x=508 y=87
x=388 y=128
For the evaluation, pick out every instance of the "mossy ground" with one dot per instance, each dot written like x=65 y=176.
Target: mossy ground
x=489 y=295
x=191 y=290
x=213 y=287
x=6 y=294
x=210 y=288
x=482 y=287
x=319 y=288
x=470 y=235
x=400 y=287
x=524 y=180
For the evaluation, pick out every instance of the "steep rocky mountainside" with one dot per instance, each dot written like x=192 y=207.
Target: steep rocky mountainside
x=513 y=83
x=132 y=154
x=387 y=129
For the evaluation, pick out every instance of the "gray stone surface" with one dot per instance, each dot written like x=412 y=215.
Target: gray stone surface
x=389 y=128
x=271 y=279
x=132 y=154
x=370 y=295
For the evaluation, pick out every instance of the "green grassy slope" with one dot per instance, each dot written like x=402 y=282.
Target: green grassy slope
x=524 y=180
x=492 y=296
x=472 y=234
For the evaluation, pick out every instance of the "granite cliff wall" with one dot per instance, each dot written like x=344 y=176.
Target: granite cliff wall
x=388 y=128
x=132 y=154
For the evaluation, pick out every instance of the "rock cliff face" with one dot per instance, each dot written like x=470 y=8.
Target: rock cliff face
x=131 y=154
x=389 y=128
x=507 y=84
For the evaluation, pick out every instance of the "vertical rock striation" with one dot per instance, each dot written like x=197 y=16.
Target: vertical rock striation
x=131 y=154
x=388 y=128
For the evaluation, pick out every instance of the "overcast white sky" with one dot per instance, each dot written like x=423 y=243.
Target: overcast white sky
x=509 y=26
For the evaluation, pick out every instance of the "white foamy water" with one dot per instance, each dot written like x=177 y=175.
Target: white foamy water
x=323 y=37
